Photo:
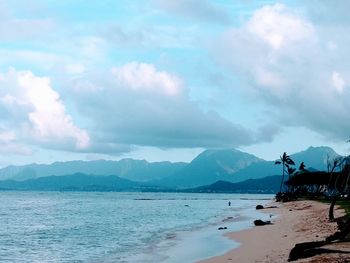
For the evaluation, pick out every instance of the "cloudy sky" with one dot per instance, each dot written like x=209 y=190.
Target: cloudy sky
x=165 y=79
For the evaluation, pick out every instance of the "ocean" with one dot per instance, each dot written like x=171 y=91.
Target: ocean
x=121 y=227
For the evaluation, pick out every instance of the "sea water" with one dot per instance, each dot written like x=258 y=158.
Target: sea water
x=120 y=227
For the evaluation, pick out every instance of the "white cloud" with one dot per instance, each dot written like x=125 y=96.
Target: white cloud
x=288 y=62
x=277 y=26
x=143 y=76
x=140 y=105
x=338 y=82
x=269 y=80
x=37 y=112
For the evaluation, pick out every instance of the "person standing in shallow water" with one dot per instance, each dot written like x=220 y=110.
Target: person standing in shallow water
x=229 y=203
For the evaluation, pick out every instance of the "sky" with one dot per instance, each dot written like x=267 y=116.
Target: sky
x=164 y=80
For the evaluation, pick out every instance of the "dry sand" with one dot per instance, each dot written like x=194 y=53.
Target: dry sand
x=298 y=221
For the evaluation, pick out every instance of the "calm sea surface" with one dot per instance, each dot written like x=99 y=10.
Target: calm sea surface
x=119 y=227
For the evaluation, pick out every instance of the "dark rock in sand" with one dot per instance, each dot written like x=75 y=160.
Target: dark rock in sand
x=258 y=207
x=261 y=222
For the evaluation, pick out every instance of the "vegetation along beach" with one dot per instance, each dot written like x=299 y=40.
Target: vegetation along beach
x=174 y=131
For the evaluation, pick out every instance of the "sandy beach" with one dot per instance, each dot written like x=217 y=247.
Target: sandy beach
x=293 y=222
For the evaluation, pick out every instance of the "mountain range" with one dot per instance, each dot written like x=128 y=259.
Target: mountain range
x=266 y=185
x=236 y=166
x=207 y=168
x=74 y=182
x=137 y=170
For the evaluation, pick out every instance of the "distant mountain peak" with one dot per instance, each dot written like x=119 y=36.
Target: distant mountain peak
x=315 y=157
x=225 y=152
x=319 y=148
x=210 y=166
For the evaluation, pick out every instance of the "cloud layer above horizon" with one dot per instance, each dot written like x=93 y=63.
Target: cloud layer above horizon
x=110 y=77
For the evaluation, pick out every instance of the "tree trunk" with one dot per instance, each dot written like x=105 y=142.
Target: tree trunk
x=282 y=176
x=331 y=209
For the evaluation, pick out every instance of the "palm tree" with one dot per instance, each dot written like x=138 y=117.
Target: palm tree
x=290 y=171
x=286 y=161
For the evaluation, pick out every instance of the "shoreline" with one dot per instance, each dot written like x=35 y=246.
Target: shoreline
x=296 y=222
x=208 y=241
x=204 y=240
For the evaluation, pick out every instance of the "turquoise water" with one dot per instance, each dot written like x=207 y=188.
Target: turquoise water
x=119 y=227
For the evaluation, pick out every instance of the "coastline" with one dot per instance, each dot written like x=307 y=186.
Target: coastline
x=298 y=221
x=206 y=241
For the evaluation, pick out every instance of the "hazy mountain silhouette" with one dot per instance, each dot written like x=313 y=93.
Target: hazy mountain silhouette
x=207 y=168
x=256 y=170
x=76 y=182
x=210 y=166
x=83 y=182
x=138 y=170
x=315 y=158
x=236 y=166
x=266 y=185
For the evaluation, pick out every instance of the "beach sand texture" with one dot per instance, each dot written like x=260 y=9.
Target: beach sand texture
x=299 y=221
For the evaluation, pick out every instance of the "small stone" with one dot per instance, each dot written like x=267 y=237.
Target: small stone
x=261 y=223
x=258 y=207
